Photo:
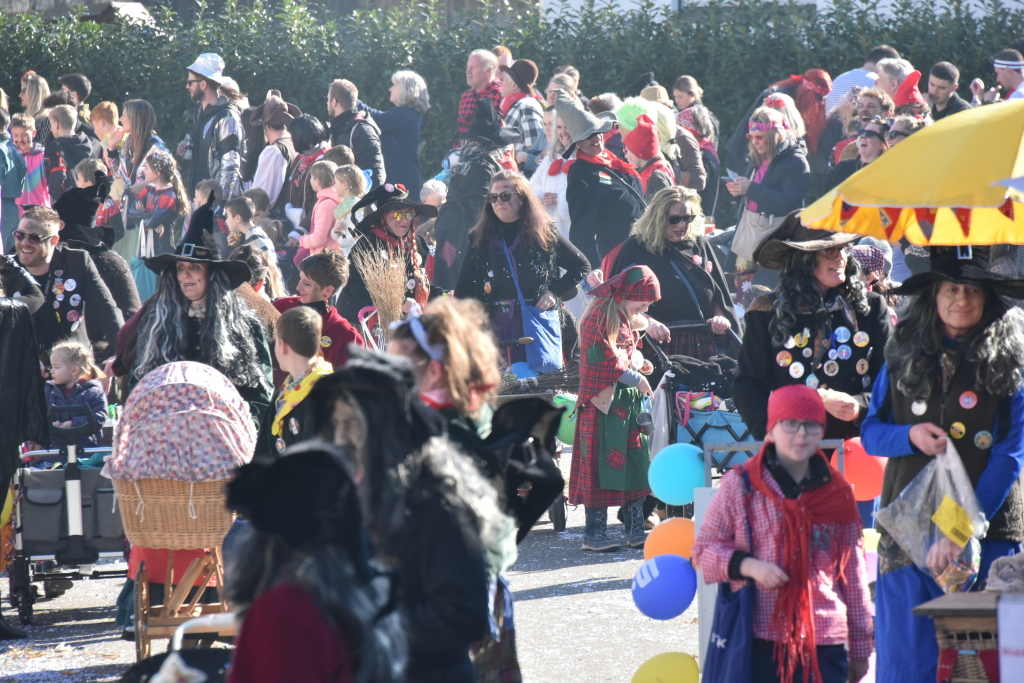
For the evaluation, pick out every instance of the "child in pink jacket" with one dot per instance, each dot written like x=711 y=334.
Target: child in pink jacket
x=321 y=179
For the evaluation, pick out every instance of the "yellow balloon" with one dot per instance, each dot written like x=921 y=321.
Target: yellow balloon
x=670 y=667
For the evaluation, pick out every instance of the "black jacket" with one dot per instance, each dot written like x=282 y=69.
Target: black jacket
x=61 y=157
x=15 y=280
x=761 y=371
x=358 y=131
x=298 y=426
x=469 y=184
x=785 y=183
x=22 y=400
x=538 y=271
x=603 y=205
x=86 y=308
x=116 y=274
x=677 y=303
x=842 y=171
x=954 y=106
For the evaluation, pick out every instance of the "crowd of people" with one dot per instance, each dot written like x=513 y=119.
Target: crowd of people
x=365 y=313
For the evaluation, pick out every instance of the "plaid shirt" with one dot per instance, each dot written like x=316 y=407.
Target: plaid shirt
x=527 y=117
x=842 y=608
x=467 y=106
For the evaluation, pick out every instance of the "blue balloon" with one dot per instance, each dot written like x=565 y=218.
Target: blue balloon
x=664 y=586
x=522 y=370
x=675 y=472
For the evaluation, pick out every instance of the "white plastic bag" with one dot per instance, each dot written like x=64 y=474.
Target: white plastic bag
x=937 y=522
x=662 y=415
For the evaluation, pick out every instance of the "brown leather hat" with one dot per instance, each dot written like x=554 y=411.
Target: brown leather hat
x=274 y=111
x=771 y=252
x=524 y=74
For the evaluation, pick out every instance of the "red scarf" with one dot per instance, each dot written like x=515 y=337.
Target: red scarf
x=608 y=160
x=832 y=503
x=560 y=166
x=507 y=103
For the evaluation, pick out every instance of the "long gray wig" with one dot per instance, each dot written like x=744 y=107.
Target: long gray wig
x=226 y=332
x=798 y=294
x=996 y=344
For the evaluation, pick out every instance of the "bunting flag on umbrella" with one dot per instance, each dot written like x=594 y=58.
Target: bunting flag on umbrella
x=937 y=187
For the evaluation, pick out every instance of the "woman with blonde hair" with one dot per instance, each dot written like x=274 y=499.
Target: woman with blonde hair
x=34 y=89
x=400 y=129
x=669 y=240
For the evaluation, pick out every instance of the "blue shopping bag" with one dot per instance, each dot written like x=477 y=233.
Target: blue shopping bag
x=145 y=279
x=545 y=327
x=730 y=653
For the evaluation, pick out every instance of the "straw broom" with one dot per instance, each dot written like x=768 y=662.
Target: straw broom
x=566 y=378
x=385 y=280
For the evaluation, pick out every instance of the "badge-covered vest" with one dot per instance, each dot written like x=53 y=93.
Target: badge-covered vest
x=968 y=415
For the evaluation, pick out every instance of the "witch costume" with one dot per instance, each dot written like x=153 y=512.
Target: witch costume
x=611 y=454
x=835 y=344
x=972 y=387
x=410 y=250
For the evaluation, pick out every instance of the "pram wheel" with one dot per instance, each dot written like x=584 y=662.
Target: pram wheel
x=22 y=599
x=142 y=608
x=556 y=513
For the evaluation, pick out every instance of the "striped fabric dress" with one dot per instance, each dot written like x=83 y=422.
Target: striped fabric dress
x=36 y=191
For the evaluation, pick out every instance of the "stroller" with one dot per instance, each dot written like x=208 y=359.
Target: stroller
x=65 y=520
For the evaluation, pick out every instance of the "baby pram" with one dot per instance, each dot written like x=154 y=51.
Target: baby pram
x=65 y=519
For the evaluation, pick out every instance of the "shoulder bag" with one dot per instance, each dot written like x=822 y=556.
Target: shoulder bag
x=545 y=327
x=752 y=228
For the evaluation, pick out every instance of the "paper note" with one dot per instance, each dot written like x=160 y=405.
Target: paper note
x=953 y=521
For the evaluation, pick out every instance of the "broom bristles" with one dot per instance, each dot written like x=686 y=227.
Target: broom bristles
x=385 y=280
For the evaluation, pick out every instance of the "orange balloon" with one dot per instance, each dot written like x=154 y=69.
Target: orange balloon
x=671 y=537
x=863 y=472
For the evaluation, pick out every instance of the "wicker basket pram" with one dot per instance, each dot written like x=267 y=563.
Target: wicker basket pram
x=176 y=515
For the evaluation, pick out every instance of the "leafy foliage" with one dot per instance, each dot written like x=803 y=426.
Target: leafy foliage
x=734 y=49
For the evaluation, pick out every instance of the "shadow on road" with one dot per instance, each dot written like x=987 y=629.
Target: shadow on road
x=574 y=588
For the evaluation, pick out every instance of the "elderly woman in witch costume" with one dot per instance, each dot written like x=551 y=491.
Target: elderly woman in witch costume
x=954 y=369
x=821 y=328
x=609 y=463
x=388 y=230
x=195 y=315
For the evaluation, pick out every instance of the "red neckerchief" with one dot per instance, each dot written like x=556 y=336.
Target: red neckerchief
x=560 y=166
x=832 y=503
x=608 y=160
x=507 y=103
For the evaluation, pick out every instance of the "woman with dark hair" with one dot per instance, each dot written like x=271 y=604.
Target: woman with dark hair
x=954 y=368
x=195 y=315
x=872 y=142
x=312 y=607
x=821 y=328
x=310 y=140
x=400 y=129
x=514 y=231
x=429 y=511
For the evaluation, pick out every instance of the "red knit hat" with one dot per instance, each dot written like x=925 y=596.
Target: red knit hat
x=643 y=140
x=795 y=402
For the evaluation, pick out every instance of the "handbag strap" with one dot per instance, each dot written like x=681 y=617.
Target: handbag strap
x=515 y=278
x=689 y=287
x=746 y=506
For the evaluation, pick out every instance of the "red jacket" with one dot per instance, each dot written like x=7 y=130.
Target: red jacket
x=337 y=332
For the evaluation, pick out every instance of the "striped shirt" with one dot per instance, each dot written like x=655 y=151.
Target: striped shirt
x=843 y=83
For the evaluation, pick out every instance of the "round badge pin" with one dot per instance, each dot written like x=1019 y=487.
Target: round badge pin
x=70 y=285
x=325 y=341
x=866 y=382
x=59 y=297
x=74 y=326
x=636 y=360
x=411 y=284
x=709 y=267
x=842 y=335
x=919 y=408
x=280 y=445
x=833 y=354
x=807 y=352
x=697 y=260
x=983 y=440
x=293 y=426
x=75 y=299
x=58 y=288
x=862 y=366
x=861 y=339
x=784 y=358
x=957 y=430
x=845 y=352
x=56 y=304
x=968 y=400
x=812 y=381
x=796 y=370
x=73 y=316
x=831 y=368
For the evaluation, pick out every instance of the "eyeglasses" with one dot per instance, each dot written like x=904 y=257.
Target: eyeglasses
x=866 y=133
x=687 y=219
x=505 y=197
x=30 y=237
x=810 y=428
x=193 y=81
x=834 y=252
x=892 y=134
x=399 y=215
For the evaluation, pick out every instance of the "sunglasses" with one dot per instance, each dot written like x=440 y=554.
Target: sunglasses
x=687 y=219
x=893 y=134
x=865 y=133
x=399 y=215
x=30 y=237
x=756 y=137
x=834 y=252
x=193 y=81
x=505 y=197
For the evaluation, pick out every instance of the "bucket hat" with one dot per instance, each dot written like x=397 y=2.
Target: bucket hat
x=209 y=65
x=791 y=234
x=580 y=123
x=274 y=111
x=523 y=73
x=388 y=197
x=656 y=93
x=198 y=247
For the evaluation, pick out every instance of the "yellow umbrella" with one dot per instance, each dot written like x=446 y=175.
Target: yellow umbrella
x=940 y=186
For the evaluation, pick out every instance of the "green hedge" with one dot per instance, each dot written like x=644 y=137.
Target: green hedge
x=734 y=49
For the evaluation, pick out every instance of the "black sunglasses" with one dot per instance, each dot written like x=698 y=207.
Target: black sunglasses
x=30 y=237
x=833 y=252
x=865 y=133
x=892 y=134
x=687 y=219
x=503 y=196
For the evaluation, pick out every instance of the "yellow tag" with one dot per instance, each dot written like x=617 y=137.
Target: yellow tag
x=953 y=521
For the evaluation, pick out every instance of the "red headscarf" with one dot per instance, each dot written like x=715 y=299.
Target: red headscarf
x=638 y=283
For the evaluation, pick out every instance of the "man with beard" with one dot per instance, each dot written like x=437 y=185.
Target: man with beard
x=71 y=284
x=216 y=145
x=611 y=453
x=355 y=129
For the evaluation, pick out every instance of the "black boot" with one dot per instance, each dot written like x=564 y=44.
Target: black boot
x=634 y=522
